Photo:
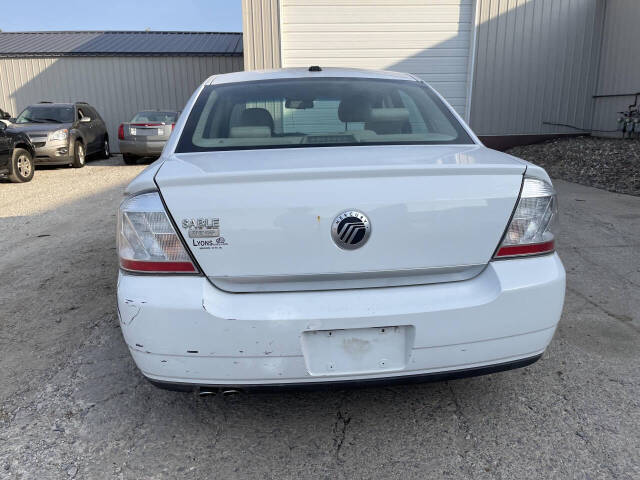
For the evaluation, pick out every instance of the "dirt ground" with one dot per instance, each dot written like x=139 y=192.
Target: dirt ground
x=73 y=405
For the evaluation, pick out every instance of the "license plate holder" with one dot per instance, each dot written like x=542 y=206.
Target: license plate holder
x=145 y=132
x=356 y=350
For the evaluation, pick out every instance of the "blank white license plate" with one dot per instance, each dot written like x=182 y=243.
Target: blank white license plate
x=145 y=131
x=356 y=350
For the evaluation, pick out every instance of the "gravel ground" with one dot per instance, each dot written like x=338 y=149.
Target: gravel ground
x=73 y=405
x=610 y=164
x=64 y=186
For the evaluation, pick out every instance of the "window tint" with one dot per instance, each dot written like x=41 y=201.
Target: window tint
x=321 y=118
x=91 y=112
x=46 y=114
x=318 y=112
x=415 y=119
x=155 y=117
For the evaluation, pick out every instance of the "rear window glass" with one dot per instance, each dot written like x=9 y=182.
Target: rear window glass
x=155 y=117
x=318 y=112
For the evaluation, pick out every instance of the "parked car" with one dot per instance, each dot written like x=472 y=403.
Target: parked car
x=16 y=155
x=146 y=134
x=308 y=227
x=64 y=133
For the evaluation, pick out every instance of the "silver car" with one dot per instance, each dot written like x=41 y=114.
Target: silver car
x=146 y=134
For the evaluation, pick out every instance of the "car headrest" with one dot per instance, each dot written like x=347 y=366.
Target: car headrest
x=389 y=115
x=354 y=109
x=249 y=132
x=257 y=117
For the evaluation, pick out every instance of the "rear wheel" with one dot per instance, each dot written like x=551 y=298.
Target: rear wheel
x=79 y=155
x=106 y=151
x=22 y=166
x=129 y=159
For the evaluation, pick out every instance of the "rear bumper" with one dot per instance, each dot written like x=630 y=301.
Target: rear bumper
x=183 y=331
x=361 y=383
x=142 y=149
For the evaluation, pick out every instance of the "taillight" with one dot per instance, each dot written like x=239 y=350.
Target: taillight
x=173 y=125
x=531 y=231
x=121 y=132
x=147 y=241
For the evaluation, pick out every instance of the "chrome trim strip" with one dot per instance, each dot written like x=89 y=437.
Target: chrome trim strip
x=347 y=280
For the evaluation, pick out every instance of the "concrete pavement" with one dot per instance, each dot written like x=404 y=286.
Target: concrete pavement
x=73 y=405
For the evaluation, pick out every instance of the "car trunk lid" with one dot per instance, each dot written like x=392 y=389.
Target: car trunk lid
x=261 y=220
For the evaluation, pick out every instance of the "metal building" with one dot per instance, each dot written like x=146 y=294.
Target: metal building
x=119 y=73
x=516 y=69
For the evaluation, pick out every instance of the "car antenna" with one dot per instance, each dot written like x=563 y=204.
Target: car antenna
x=315 y=68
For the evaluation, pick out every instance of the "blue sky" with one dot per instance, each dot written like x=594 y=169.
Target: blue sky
x=200 y=15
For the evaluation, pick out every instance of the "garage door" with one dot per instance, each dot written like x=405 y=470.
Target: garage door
x=429 y=38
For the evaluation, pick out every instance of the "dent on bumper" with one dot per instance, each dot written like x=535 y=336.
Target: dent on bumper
x=184 y=330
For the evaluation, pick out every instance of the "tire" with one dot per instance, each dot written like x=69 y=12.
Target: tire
x=79 y=155
x=106 y=151
x=22 y=166
x=129 y=159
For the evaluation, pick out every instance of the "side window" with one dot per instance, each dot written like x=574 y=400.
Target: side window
x=92 y=112
x=415 y=119
x=430 y=115
x=236 y=115
x=80 y=114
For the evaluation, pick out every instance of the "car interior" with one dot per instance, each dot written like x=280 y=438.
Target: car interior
x=381 y=112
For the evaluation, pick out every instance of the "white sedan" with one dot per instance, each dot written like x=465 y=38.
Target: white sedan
x=328 y=226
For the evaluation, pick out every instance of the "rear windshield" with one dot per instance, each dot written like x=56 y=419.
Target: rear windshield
x=155 y=117
x=46 y=114
x=318 y=112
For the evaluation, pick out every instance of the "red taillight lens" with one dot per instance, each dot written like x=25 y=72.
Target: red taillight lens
x=121 y=132
x=173 y=125
x=531 y=230
x=147 y=241
x=520 y=250
x=155 y=267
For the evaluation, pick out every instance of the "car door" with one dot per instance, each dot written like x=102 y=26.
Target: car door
x=5 y=146
x=86 y=128
x=99 y=128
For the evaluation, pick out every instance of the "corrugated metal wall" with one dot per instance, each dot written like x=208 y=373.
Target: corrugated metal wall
x=261 y=34
x=619 y=62
x=535 y=61
x=117 y=86
x=430 y=39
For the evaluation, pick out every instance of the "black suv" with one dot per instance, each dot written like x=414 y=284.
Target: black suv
x=64 y=133
x=16 y=155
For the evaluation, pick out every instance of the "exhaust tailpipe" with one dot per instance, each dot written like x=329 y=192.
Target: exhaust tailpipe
x=230 y=392
x=206 y=392
x=212 y=392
